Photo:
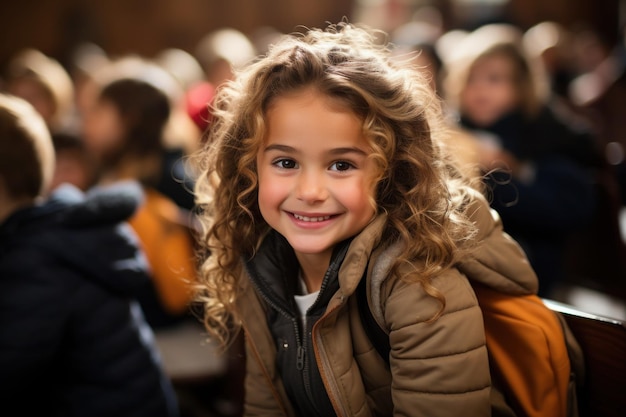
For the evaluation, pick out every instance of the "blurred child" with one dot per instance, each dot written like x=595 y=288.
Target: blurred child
x=550 y=42
x=74 y=165
x=45 y=84
x=184 y=132
x=422 y=55
x=72 y=342
x=222 y=52
x=541 y=185
x=124 y=131
x=323 y=173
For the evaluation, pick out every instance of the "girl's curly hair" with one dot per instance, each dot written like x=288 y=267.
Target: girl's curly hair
x=423 y=194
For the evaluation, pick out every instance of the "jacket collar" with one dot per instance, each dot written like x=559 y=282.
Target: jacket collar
x=359 y=253
x=274 y=267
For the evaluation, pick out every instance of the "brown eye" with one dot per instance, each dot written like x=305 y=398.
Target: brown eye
x=341 y=166
x=285 y=163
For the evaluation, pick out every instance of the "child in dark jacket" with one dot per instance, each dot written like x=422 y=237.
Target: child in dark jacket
x=73 y=341
x=538 y=163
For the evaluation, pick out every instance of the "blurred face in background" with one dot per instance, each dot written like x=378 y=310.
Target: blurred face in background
x=71 y=167
x=491 y=90
x=103 y=129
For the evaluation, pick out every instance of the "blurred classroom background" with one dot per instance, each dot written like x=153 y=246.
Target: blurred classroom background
x=57 y=27
x=66 y=45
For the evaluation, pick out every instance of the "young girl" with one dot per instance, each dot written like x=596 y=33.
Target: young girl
x=323 y=170
x=545 y=193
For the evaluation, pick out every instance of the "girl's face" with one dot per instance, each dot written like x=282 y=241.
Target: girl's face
x=491 y=91
x=315 y=179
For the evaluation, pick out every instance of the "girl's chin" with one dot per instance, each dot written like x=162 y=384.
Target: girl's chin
x=309 y=250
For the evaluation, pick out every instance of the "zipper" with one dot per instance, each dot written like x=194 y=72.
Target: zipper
x=300 y=342
x=300 y=359
x=332 y=270
x=330 y=388
x=299 y=345
x=301 y=363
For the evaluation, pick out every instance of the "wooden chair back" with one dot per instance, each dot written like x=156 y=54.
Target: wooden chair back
x=603 y=342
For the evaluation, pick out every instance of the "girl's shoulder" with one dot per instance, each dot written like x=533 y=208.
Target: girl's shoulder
x=402 y=295
x=390 y=294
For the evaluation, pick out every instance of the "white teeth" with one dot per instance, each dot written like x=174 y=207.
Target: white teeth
x=310 y=219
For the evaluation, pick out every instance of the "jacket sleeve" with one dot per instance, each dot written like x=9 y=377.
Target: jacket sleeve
x=440 y=367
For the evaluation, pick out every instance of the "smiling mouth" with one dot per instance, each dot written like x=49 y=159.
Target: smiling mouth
x=310 y=219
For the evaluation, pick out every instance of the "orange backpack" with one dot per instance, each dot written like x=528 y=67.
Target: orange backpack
x=168 y=243
x=535 y=360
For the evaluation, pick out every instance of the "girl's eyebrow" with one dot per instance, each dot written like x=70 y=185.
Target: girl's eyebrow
x=278 y=147
x=348 y=150
x=334 y=151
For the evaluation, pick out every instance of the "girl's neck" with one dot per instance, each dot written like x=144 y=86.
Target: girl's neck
x=313 y=269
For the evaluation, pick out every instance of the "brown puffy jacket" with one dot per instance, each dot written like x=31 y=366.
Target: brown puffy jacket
x=437 y=368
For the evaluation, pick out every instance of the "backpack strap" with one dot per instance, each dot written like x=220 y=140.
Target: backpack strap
x=376 y=335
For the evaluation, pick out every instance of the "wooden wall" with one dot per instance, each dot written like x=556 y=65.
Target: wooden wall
x=601 y=15
x=147 y=26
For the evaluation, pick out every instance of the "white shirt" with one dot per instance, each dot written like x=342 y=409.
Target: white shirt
x=305 y=301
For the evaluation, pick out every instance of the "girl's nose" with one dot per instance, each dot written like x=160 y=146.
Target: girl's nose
x=311 y=187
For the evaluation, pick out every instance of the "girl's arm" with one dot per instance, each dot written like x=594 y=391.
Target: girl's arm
x=438 y=368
